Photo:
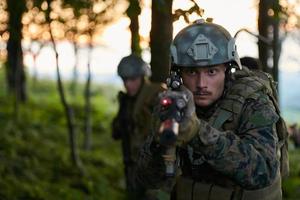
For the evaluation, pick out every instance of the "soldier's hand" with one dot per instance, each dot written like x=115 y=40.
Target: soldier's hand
x=182 y=109
x=189 y=126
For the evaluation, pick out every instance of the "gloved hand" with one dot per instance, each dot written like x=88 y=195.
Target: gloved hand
x=189 y=126
x=181 y=109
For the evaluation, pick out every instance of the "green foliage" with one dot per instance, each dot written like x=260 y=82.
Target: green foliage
x=291 y=186
x=35 y=154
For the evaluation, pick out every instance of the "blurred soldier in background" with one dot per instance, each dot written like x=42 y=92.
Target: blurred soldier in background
x=294 y=133
x=133 y=120
x=230 y=137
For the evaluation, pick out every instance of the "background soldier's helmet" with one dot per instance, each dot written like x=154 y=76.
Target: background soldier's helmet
x=203 y=44
x=133 y=66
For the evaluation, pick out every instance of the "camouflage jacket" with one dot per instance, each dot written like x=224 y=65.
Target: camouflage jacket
x=133 y=121
x=242 y=151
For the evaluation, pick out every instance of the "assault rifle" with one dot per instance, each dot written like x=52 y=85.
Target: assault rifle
x=171 y=115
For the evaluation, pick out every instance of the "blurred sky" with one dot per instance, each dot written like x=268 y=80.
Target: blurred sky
x=115 y=44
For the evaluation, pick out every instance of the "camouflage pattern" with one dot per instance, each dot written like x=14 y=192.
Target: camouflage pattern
x=246 y=155
x=203 y=44
x=239 y=153
x=131 y=126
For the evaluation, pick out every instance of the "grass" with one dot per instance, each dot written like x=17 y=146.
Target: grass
x=35 y=153
x=291 y=186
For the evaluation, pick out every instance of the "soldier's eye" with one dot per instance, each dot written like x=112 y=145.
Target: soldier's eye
x=212 y=71
x=191 y=72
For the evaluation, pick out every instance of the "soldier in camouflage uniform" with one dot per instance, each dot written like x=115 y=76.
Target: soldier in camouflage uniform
x=132 y=122
x=294 y=133
x=227 y=145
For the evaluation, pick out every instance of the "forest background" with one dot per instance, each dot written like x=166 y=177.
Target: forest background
x=58 y=97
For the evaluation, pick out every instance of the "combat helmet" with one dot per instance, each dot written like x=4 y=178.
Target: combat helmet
x=203 y=44
x=133 y=66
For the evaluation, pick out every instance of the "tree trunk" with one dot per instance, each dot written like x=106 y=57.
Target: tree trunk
x=160 y=39
x=87 y=107
x=276 y=39
x=69 y=116
x=133 y=12
x=268 y=26
x=68 y=110
x=73 y=86
x=264 y=28
x=35 y=68
x=15 y=74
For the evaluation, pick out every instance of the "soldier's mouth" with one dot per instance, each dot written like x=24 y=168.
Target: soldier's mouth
x=200 y=93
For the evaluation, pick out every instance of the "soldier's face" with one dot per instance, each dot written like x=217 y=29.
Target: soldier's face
x=132 y=85
x=206 y=84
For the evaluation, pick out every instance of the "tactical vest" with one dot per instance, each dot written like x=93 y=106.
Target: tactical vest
x=247 y=85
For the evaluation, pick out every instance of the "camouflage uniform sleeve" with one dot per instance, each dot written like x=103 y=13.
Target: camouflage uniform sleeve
x=151 y=165
x=249 y=154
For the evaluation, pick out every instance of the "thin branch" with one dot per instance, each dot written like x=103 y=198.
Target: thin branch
x=260 y=37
